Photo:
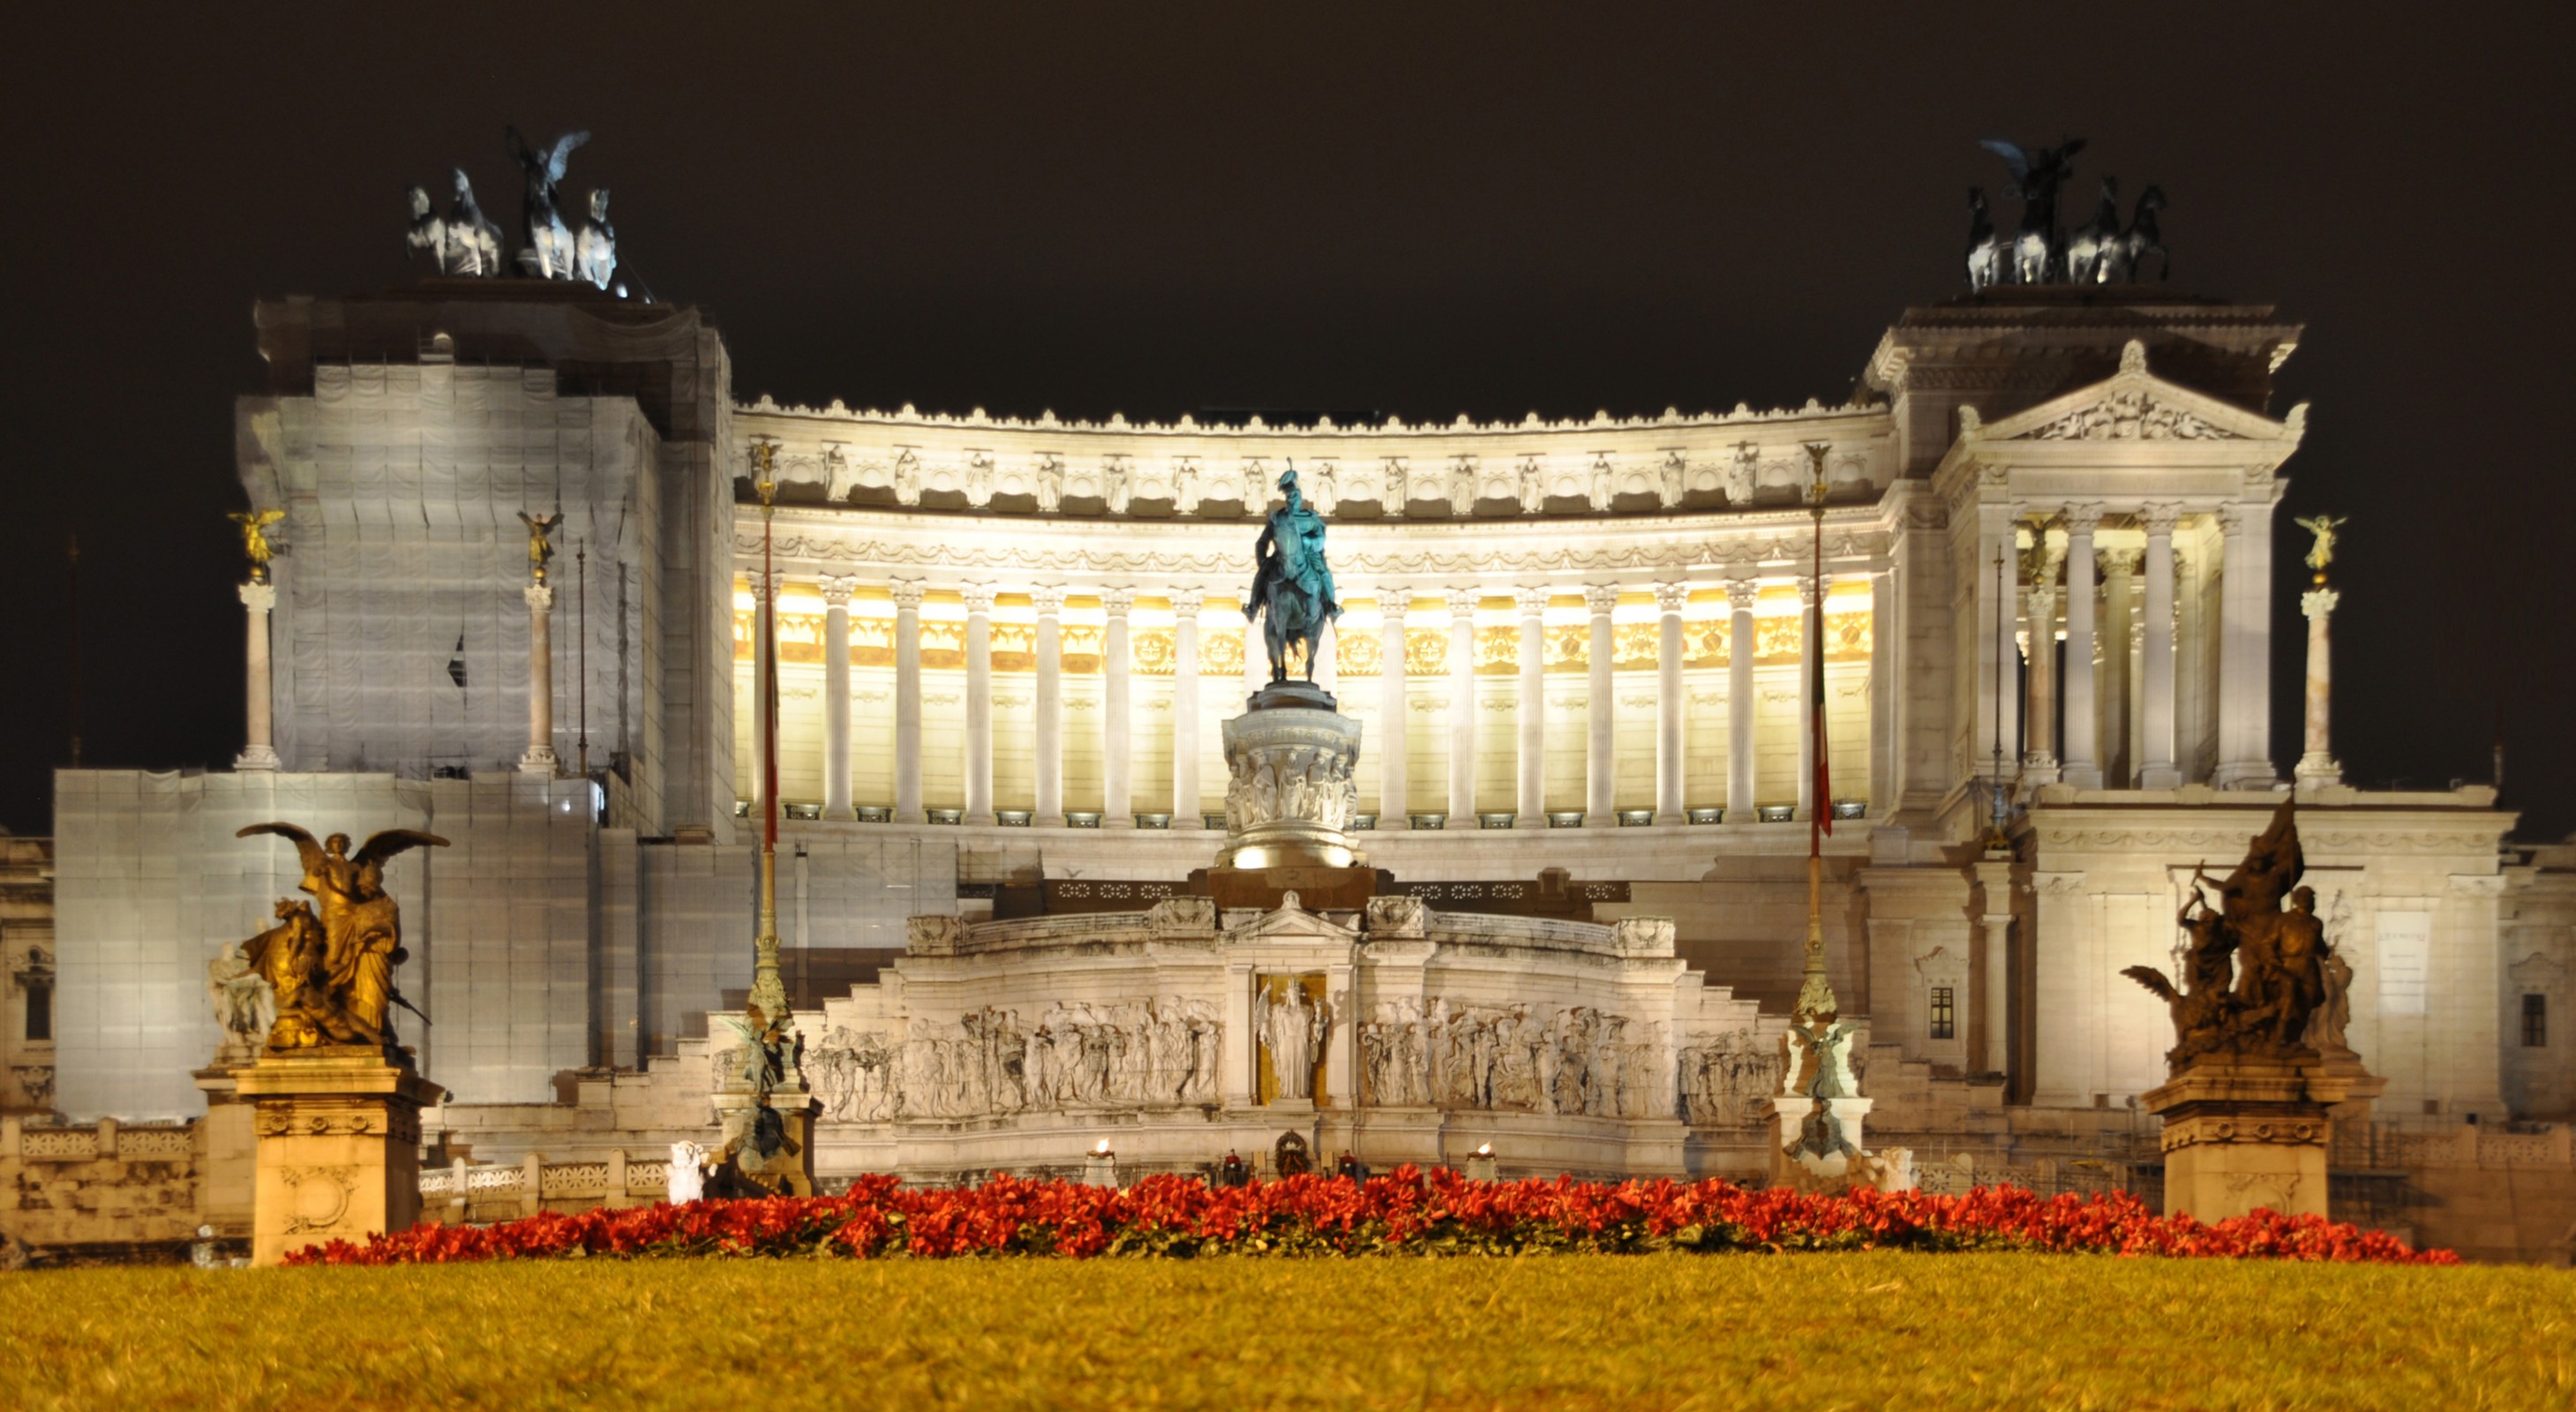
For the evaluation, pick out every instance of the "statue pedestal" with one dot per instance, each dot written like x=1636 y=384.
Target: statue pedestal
x=2243 y=1132
x=1816 y=1155
x=789 y=1171
x=228 y=1183
x=339 y=1147
x=1289 y=796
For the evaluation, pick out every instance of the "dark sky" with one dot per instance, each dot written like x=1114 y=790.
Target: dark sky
x=1414 y=208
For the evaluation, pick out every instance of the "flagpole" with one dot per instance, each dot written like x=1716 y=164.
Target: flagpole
x=768 y=988
x=1815 y=993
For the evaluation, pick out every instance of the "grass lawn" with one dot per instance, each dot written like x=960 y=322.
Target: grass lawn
x=1804 y=1331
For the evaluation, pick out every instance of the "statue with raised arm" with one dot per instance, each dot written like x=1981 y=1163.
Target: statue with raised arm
x=541 y=550
x=333 y=973
x=1292 y=586
x=546 y=243
x=254 y=532
x=2321 y=553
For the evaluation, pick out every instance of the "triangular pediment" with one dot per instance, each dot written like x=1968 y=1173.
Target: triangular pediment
x=1290 y=923
x=2134 y=404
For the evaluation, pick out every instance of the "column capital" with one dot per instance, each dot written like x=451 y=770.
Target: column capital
x=762 y=584
x=2119 y=563
x=2237 y=517
x=257 y=597
x=2160 y=517
x=1532 y=601
x=1601 y=598
x=2084 y=517
x=1740 y=594
x=541 y=597
x=1049 y=599
x=1186 y=603
x=1392 y=603
x=908 y=593
x=1810 y=592
x=1671 y=598
x=1116 y=601
x=2318 y=602
x=1462 y=602
x=837 y=589
x=979 y=598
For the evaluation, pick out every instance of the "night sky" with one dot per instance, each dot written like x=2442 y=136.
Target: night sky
x=1412 y=209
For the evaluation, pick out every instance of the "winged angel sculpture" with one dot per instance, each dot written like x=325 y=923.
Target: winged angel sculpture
x=332 y=974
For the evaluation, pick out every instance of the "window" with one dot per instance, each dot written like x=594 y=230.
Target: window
x=40 y=1009
x=2535 y=1022
x=1945 y=1012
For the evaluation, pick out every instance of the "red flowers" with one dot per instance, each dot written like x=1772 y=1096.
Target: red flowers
x=1405 y=1213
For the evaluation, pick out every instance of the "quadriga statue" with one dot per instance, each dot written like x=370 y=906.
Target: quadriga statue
x=332 y=972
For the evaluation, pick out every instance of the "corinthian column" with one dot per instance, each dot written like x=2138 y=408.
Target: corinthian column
x=1185 y=708
x=1462 y=708
x=1672 y=802
x=1531 y=805
x=2081 y=752
x=979 y=703
x=259 y=748
x=2318 y=766
x=2245 y=648
x=836 y=698
x=2039 y=752
x=540 y=759
x=1393 y=808
x=2119 y=576
x=2156 y=655
x=907 y=702
x=1050 y=706
x=1600 y=783
x=1117 y=804
x=1742 y=645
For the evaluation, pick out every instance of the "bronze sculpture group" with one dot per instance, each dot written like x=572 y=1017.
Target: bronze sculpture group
x=2258 y=976
x=331 y=972
x=1292 y=586
x=465 y=244
x=2103 y=252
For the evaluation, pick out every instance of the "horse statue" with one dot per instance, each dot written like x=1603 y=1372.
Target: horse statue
x=1985 y=248
x=2036 y=255
x=473 y=248
x=2093 y=252
x=2142 y=238
x=547 y=244
x=1292 y=586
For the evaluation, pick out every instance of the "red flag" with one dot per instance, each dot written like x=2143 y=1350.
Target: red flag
x=1824 y=772
x=768 y=694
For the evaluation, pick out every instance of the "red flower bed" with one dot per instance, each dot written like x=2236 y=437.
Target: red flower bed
x=1405 y=1213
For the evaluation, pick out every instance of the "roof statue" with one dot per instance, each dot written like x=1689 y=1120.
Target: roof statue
x=255 y=543
x=2102 y=252
x=332 y=973
x=464 y=244
x=2324 y=527
x=2253 y=974
x=1292 y=586
x=541 y=550
x=546 y=245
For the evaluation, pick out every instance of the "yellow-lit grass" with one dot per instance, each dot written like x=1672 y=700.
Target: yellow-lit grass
x=1808 y=1332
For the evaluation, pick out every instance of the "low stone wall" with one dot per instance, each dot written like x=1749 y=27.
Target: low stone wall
x=461 y=1191
x=104 y=1190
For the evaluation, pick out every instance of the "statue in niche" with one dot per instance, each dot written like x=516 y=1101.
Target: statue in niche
x=1292 y=1029
x=1742 y=473
x=2255 y=975
x=595 y=247
x=1676 y=480
x=1605 y=484
x=1185 y=486
x=907 y=478
x=2038 y=257
x=473 y=248
x=1050 y=478
x=333 y=974
x=1256 y=496
x=1462 y=486
x=1292 y=585
x=546 y=249
x=1113 y=473
x=1391 y=499
x=1533 y=494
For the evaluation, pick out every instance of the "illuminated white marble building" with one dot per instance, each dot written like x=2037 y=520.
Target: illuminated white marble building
x=1006 y=645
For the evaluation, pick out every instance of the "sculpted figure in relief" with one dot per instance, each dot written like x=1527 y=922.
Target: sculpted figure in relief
x=1050 y=478
x=1113 y=479
x=1741 y=474
x=1676 y=479
x=1533 y=494
x=1395 y=492
x=1605 y=483
x=1462 y=486
x=1185 y=486
x=907 y=478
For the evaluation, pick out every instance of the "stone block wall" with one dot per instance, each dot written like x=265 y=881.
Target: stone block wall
x=106 y=1188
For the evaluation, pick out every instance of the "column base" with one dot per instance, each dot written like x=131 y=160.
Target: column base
x=1124 y=819
x=1529 y=819
x=2245 y=774
x=2039 y=767
x=2082 y=774
x=1601 y=818
x=338 y=1147
x=1668 y=820
x=1457 y=820
x=984 y=820
x=2318 y=769
x=256 y=757
x=2159 y=777
x=540 y=761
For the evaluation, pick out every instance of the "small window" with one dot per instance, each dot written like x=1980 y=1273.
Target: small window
x=1945 y=1012
x=2535 y=1022
x=40 y=1009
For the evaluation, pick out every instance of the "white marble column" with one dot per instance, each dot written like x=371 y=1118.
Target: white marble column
x=1328 y=659
x=1049 y=732
x=259 y=744
x=540 y=759
x=979 y=704
x=1886 y=688
x=1117 y=804
x=2081 y=753
x=2119 y=579
x=2156 y=656
x=1600 y=719
x=1530 y=713
x=1993 y=1000
x=2039 y=734
x=1742 y=645
x=1394 y=779
x=2245 y=642
x=907 y=702
x=2317 y=765
x=1462 y=708
x=1185 y=708
x=1811 y=667
x=1672 y=707
x=836 y=698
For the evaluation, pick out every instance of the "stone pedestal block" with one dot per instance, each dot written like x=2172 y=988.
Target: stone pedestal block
x=789 y=1171
x=2243 y=1132
x=228 y=1146
x=1289 y=798
x=1811 y=1149
x=339 y=1147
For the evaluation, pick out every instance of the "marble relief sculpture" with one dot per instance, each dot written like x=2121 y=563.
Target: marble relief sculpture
x=1578 y=1060
x=331 y=974
x=1145 y=1054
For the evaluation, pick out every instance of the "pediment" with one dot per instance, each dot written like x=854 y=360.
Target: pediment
x=2134 y=404
x=1289 y=922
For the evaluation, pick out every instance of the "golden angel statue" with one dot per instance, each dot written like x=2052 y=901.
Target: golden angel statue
x=539 y=550
x=2323 y=527
x=333 y=974
x=254 y=532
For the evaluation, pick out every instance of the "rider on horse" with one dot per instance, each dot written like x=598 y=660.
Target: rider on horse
x=1292 y=584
